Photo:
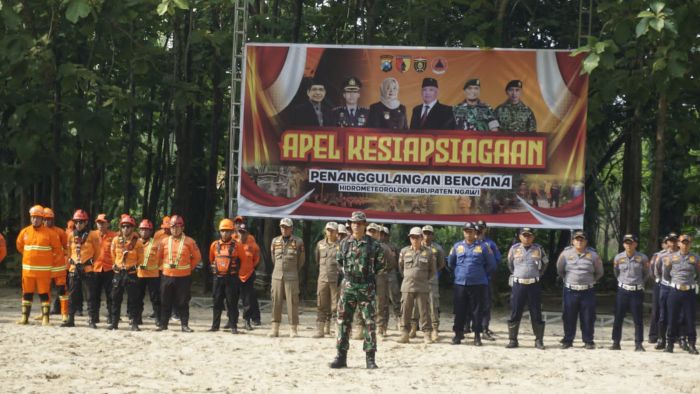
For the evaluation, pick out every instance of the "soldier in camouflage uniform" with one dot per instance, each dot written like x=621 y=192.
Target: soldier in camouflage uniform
x=360 y=257
x=513 y=114
x=473 y=114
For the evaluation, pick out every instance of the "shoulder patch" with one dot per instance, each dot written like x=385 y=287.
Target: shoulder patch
x=460 y=249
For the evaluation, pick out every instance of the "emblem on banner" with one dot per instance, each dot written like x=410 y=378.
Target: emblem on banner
x=439 y=65
x=385 y=62
x=403 y=62
x=420 y=64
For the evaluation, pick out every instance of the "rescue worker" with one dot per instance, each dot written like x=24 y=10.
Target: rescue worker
x=3 y=248
x=178 y=255
x=482 y=232
x=360 y=258
x=580 y=267
x=102 y=267
x=238 y=221
x=472 y=261
x=681 y=269
x=148 y=273
x=250 y=261
x=527 y=263
x=164 y=230
x=225 y=256
x=434 y=294
x=78 y=296
x=60 y=271
x=287 y=253
x=83 y=246
x=631 y=270
x=41 y=251
x=417 y=266
x=127 y=254
x=325 y=254
x=664 y=289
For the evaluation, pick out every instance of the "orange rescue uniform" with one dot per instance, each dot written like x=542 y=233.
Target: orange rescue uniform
x=41 y=251
x=83 y=250
x=148 y=266
x=103 y=262
x=126 y=253
x=251 y=260
x=178 y=257
x=60 y=270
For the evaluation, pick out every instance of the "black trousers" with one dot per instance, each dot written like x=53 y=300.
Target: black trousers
x=75 y=290
x=175 y=292
x=251 y=308
x=530 y=295
x=121 y=282
x=468 y=300
x=227 y=288
x=102 y=282
x=632 y=301
x=654 y=318
x=680 y=306
x=486 y=320
x=153 y=287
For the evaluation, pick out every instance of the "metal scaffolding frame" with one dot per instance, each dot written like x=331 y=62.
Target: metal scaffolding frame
x=240 y=27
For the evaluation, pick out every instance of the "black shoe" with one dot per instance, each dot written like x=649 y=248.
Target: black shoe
x=488 y=335
x=370 y=361
x=639 y=348
x=539 y=344
x=341 y=360
x=456 y=340
x=565 y=345
x=213 y=329
x=669 y=348
x=135 y=327
x=661 y=345
x=112 y=326
x=589 y=346
x=477 y=339
x=692 y=349
x=257 y=322
x=248 y=326
x=684 y=344
x=652 y=341
x=186 y=329
x=69 y=323
x=615 y=346
x=234 y=330
x=228 y=325
x=512 y=344
x=92 y=324
x=161 y=328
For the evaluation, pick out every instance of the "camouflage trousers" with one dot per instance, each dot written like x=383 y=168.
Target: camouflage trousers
x=360 y=296
x=381 y=318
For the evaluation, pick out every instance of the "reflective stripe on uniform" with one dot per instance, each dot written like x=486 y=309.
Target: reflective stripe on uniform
x=180 y=267
x=28 y=267
x=37 y=247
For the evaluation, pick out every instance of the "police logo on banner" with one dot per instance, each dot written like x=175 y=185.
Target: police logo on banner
x=403 y=62
x=386 y=62
x=420 y=64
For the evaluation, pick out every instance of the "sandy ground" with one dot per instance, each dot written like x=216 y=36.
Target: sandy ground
x=53 y=359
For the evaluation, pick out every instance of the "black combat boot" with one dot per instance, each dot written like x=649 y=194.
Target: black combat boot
x=513 y=335
x=661 y=345
x=477 y=339
x=669 y=347
x=92 y=320
x=538 y=330
x=683 y=343
x=248 y=326
x=341 y=360
x=370 y=360
x=216 y=320
x=638 y=347
x=692 y=349
x=70 y=322
x=615 y=346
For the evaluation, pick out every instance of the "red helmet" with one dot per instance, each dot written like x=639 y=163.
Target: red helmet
x=80 y=215
x=166 y=222
x=145 y=223
x=36 y=210
x=126 y=219
x=177 y=220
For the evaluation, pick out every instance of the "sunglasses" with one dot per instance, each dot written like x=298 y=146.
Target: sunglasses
x=685 y=241
x=79 y=221
x=126 y=226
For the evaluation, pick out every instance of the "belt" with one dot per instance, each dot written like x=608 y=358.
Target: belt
x=630 y=287
x=657 y=280
x=578 y=287
x=681 y=287
x=524 y=281
x=665 y=282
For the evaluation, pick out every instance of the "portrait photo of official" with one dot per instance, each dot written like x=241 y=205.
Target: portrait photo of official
x=350 y=114
x=513 y=114
x=313 y=110
x=432 y=114
x=472 y=113
x=388 y=113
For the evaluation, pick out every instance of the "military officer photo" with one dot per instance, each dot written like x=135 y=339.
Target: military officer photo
x=473 y=114
x=432 y=114
x=513 y=114
x=314 y=110
x=351 y=114
x=631 y=270
x=287 y=253
x=360 y=258
x=526 y=262
x=580 y=267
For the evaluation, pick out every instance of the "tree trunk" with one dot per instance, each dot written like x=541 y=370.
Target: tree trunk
x=296 y=26
x=659 y=156
x=131 y=144
x=630 y=194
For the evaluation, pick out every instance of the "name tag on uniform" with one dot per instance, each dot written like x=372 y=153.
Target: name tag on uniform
x=518 y=252
x=638 y=259
x=676 y=258
x=424 y=253
x=535 y=254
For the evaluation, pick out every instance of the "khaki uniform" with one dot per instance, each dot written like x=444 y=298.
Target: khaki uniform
x=327 y=285
x=417 y=268
x=287 y=258
x=434 y=294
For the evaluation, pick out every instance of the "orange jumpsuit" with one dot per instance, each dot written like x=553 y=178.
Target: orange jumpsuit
x=41 y=250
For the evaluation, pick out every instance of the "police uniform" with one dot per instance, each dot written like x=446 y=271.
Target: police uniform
x=474 y=117
x=486 y=321
x=360 y=261
x=326 y=254
x=580 y=271
x=655 y=307
x=664 y=290
x=527 y=264
x=515 y=117
x=631 y=273
x=417 y=268
x=471 y=263
x=681 y=271
x=288 y=259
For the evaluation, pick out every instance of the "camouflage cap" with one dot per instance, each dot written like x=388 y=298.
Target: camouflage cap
x=358 y=216
x=514 y=84
x=374 y=227
x=472 y=82
x=428 y=228
x=332 y=226
x=385 y=229
x=415 y=231
x=287 y=222
x=342 y=229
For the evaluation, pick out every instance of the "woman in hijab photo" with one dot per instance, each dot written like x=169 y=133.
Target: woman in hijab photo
x=388 y=113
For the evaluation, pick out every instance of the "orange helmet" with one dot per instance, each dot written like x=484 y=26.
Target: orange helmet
x=48 y=213
x=145 y=223
x=126 y=219
x=226 y=224
x=36 y=210
x=239 y=218
x=177 y=220
x=166 y=222
x=80 y=215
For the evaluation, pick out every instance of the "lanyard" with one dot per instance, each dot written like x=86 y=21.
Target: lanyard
x=179 y=251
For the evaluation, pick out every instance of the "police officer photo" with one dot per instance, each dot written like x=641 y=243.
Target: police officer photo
x=432 y=114
x=527 y=263
x=351 y=114
x=472 y=113
x=513 y=114
x=631 y=270
x=471 y=261
x=580 y=267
